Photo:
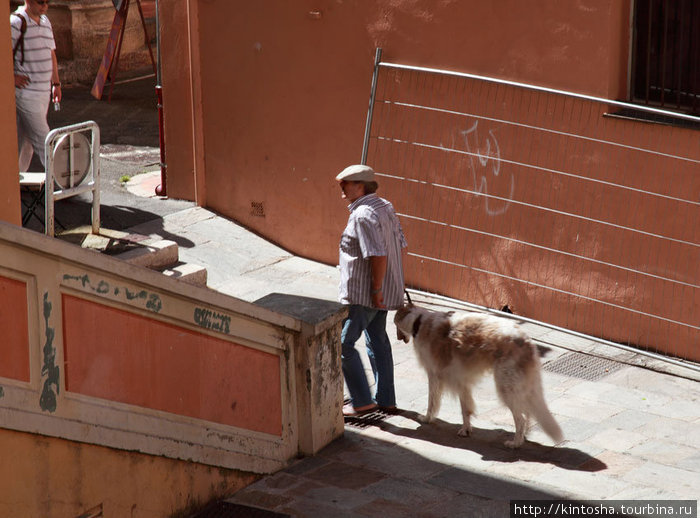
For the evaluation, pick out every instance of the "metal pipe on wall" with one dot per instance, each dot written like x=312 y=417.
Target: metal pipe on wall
x=370 y=110
x=161 y=190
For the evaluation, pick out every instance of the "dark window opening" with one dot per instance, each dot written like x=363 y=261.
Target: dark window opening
x=666 y=54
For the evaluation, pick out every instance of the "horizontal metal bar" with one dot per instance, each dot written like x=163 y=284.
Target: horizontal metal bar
x=548 y=249
x=79 y=189
x=556 y=290
x=545 y=209
x=601 y=100
x=540 y=168
x=687 y=365
x=54 y=134
x=537 y=128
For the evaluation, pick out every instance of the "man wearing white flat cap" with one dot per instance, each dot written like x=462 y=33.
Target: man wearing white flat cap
x=371 y=283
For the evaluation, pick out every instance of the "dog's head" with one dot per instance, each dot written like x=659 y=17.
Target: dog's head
x=407 y=321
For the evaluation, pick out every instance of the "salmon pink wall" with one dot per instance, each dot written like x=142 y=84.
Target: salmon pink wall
x=280 y=99
x=121 y=356
x=284 y=86
x=14 y=322
x=54 y=478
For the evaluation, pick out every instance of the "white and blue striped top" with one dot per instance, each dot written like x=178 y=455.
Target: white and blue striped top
x=373 y=229
x=38 y=44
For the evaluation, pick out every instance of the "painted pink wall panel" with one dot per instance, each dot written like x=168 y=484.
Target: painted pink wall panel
x=120 y=356
x=14 y=345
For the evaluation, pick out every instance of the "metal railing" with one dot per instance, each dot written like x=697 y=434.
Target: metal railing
x=538 y=199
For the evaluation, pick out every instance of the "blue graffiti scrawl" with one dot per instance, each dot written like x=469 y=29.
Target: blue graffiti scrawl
x=153 y=301
x=50 y=370
x=209 y=319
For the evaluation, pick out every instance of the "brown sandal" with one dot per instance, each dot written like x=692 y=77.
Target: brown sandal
x=350 y=411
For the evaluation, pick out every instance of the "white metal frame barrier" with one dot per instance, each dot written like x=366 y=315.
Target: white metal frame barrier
x=416 y=143
x=86 y=169
x=72 y=163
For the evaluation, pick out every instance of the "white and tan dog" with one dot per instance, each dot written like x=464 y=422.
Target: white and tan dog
x=456 y=349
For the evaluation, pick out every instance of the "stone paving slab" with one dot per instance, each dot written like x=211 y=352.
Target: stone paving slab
x=630 y=420
x=343 y=475
x=681 y=482
x=582 y=484
x=486 y=485
x=470 y=506
x=667 y=452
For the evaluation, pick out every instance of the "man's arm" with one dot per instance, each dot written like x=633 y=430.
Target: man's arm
x=56 y=93
x=378 y=266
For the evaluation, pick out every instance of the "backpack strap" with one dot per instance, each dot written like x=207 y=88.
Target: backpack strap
x=20 y=40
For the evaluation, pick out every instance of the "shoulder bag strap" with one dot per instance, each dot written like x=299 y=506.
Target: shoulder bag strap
x=20 y=40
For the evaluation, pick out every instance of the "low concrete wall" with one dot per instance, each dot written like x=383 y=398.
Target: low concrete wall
x=316 y=366
x=121 y=365
x=50 y=477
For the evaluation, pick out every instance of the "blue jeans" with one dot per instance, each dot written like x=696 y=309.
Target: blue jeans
x=371 y=322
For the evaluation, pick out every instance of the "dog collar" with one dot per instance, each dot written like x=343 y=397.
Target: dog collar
x=416 y=325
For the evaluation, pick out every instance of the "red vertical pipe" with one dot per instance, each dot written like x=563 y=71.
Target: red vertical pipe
x=161 y=190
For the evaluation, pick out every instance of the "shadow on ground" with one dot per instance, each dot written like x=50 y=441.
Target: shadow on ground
x=489 y=444
x=357 y=475
x=73 y=217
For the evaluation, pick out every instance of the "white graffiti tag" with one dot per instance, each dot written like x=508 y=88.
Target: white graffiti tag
x=485 y=164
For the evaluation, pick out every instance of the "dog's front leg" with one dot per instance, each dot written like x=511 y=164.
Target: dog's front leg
x=466 y=401
x=434 y=399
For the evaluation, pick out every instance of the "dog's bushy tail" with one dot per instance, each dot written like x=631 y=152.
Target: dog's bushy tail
x=540 y=411
x=546 y=420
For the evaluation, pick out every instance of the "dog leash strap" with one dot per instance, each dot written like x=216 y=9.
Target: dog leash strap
x=408 y=297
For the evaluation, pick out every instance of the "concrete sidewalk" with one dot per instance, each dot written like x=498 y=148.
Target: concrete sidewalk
x=631 y=423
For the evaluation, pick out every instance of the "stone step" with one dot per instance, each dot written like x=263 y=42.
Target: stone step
x=155 y=255
x=187 y=272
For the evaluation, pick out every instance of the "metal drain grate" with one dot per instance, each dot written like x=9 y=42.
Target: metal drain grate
x=366 y=420
x=582 y=366
x=230 y=510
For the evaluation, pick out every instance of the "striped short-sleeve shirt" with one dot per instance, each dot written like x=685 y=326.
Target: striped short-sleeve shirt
x=373 y=229
x=36 y=61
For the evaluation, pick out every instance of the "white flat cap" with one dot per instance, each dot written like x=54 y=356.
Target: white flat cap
x=356 y=173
